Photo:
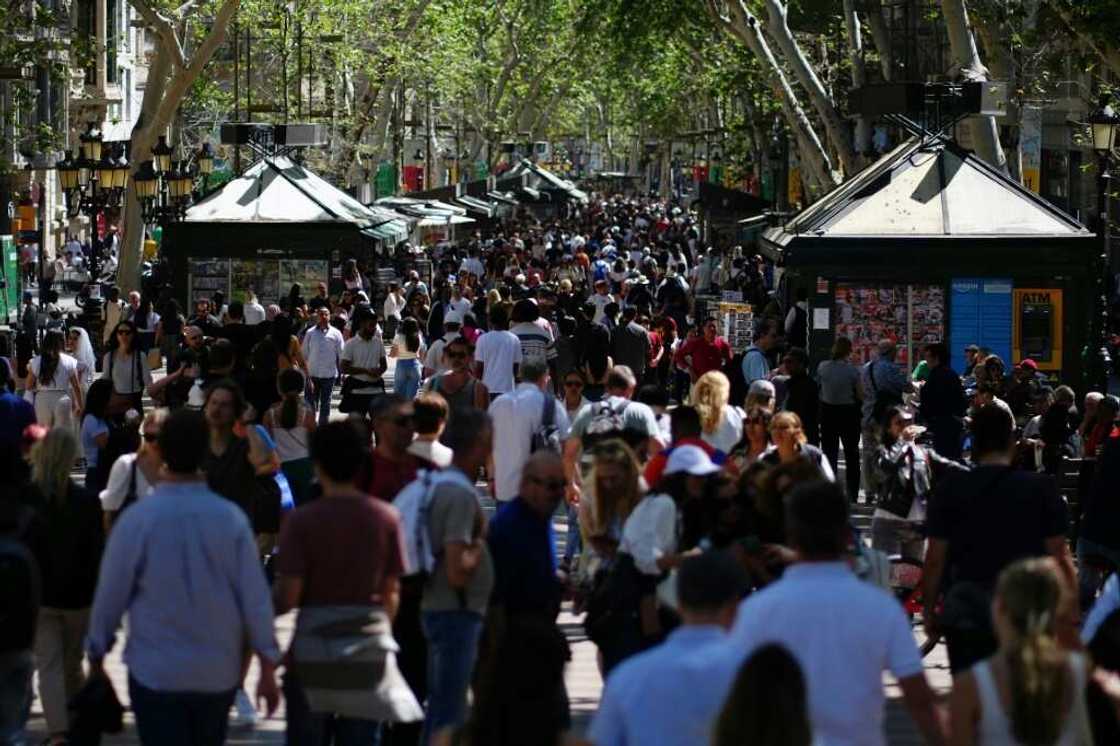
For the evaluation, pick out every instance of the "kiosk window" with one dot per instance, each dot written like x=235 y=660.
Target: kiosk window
x=1036 y=322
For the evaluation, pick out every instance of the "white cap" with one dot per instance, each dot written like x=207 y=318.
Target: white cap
x=691 y=460
x=453 y=317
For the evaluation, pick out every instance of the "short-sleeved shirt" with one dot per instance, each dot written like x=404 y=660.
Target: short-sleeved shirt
x=844 y=632
x=498 y=351
x=92 y=427
x=966 y=506
x=120 y=476
x=456 y=516
x=128 y=376
x=60 y=381
x=364 y=353
x=535 y=341
x=705 y=355
x=637 y=417
x=344 y=548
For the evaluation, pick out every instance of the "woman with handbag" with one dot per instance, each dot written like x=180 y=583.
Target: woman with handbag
x=52 y=382
x=291 y=423
x=127 y=367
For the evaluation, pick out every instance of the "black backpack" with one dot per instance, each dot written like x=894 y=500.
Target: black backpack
x=606 y=423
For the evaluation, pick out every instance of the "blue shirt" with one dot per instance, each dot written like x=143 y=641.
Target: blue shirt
x=16 y=413
x=888 y=379
x=183 y=564
x=670 y=695
x=755 y=365
x=522 y=548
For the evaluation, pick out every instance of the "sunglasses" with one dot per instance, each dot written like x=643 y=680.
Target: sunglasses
x=150 y=437
x=756 y=421
x=125 y=332
x=551 y=484
x=456 y=355
x=574 y=384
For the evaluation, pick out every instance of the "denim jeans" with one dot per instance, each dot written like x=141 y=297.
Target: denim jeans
x=406 y=379
x=320 y=398
x=180 y=718
x=307 y=728
x=452 y=651
x=15 y=696
x=1088 y=575
x=573 y=543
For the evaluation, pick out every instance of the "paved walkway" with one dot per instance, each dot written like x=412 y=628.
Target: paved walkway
x=582 y=677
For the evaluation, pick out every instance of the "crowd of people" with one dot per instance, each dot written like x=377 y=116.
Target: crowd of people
x=554 y=370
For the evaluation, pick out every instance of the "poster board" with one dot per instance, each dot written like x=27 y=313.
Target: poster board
x=307 y=272
x=912 y=315
x=262 y=275
x=737 y=322
x=206 y=277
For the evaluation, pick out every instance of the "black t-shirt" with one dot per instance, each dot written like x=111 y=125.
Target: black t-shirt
x=243 y=338
x=992 y=516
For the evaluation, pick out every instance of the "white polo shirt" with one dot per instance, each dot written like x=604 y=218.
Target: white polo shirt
x=516 y=416
x=844 y=632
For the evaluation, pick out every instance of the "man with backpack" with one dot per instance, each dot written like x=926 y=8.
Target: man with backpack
x=615 y=416
x=526 y=419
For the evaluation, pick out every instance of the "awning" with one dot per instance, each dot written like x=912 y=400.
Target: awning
x=542 y=178
x=393 y=231
x=448 y=219
x=533 y=195
x=476 y=205
x=501 y=197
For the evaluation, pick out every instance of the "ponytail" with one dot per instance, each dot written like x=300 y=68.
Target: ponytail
x=1039 y=676
x=290 y=385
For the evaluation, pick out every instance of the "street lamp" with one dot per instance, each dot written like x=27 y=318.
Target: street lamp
x=1103 y=124
x=162 y=152
x=164 y=186
x=93 y=182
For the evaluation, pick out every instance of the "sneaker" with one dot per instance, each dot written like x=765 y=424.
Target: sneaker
x=245 y=715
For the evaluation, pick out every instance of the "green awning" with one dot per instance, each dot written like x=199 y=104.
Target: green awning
x=393 y=231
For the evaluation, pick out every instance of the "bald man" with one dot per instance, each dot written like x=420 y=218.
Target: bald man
x=513 y=706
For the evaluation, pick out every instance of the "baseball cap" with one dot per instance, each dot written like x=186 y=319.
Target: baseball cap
x=453 y=317
x=1028 y=363
x=691 y=460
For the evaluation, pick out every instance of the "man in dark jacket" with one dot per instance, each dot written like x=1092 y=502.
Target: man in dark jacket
x=801 y=393
x=943 y=402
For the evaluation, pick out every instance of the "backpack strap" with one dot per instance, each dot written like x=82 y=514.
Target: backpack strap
x=130 y=494
x=548 y=415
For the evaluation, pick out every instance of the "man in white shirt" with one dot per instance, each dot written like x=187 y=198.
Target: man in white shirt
x=322 y=349
x=458 y=302
x=254 y=311
x=600 y=299
x=433 y=363
x=843 y=631
x=363 y=359
x=516 y=416
x=497 y=355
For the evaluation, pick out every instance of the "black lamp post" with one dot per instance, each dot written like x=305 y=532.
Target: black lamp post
x=94 y=181
x=164 y=186
x=1103 y=126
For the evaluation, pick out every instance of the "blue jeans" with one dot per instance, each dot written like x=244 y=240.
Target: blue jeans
x=320 y=398
x=15 y=696
x=307 y=728
x=406 y=379
x=180 y=718
x=1088 y=576
x=452 y=651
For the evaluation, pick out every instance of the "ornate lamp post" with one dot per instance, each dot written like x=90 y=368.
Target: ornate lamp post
x=164 y=186
x=94 y=181
x=1103 y=126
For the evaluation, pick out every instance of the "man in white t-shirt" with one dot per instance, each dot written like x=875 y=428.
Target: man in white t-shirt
x=433 y=363
x=497 y=355
x=254 y=311
x=363 y=359
x=600 y=299
x=133 y=475
x=866 y=632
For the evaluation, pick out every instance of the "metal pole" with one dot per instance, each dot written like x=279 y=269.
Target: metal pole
x=42 y=220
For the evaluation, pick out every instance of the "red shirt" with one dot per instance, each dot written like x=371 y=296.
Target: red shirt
x=705 y=355
x=324 y=540
x=656 y=466
x=384 y=478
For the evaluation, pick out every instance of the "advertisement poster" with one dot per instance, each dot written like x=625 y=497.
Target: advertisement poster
x=738 y=325
x=912 y=315
x=262 y=275
x=208 y=276
x=307 y=272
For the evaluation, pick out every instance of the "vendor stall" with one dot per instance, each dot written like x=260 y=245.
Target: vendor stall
x=275 y=225
x=932 y=244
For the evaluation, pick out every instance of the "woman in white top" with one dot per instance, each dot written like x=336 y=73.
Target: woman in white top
x=1031 y=691
x=721 y=424
x=127 y=368
x=52 y=379
x=408 y=349
x=651 y=535
x=290 y=423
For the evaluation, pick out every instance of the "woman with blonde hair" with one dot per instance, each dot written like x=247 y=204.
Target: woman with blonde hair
x=1031 y=692
x=615 y=489
x=68 y=556
x=790 y=445
x=721 y=424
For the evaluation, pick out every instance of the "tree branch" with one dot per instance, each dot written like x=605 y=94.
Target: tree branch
x=164 y=29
